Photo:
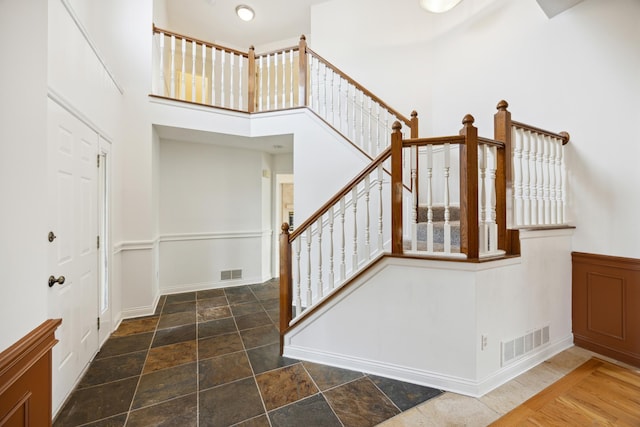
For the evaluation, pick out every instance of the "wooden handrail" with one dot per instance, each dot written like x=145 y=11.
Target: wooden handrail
x=192 y=39
x=368 y=93
x=434 y=140
x=564 y=136
x=341 y=193
x=271 y=52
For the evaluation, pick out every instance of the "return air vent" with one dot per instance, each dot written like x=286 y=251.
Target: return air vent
x=516 y=348
x=230 y=274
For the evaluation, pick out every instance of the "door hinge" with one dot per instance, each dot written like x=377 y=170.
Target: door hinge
x=98 y=322
x=98 y=242
x=98 y=162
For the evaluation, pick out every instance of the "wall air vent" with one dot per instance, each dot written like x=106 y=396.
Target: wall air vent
x=231 y=274
x=516 y=348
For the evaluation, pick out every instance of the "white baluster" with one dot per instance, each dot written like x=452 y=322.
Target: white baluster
x=354 y=126
x=324 y=91
x=493 y=226
x=261 y=82
x=173 y=67
x=331 y=273
x=223 y=101
x=547 y=181
x=317 y=92
x=540 y=172
x=284 y=80
x=482 y=196
x=533 y=179
x=268 y=82
x=232 y=91
x=183 y=89
x=240 y=78
x=203 y=89
x=372 y=147
x=291 y=80
x=526 y=188
x=193 y=71
x=340 y=104
x=517 y=173
x=298 y=277
x=312 y=83
x=213 y=75
x=320 y=285
x=367 y=240
x=354 y=201
x=447 y=225
x=342 y=243
x=363 y=143
x=559 y=183
x=380 y=205
x=429 y=198
x=377 y=127
x=414 y=197
x=331 y=101
x=161 y=85
x=309 y=292
x=552 y=180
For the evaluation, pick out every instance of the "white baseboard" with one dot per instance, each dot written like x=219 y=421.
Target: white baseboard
x=146 y=310
x=467 y=386
x=191 y=287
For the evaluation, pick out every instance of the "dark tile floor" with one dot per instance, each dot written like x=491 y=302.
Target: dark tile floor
x=211 y=358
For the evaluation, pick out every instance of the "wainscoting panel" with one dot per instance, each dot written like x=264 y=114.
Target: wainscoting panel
x=25 y=378
x=606 y=305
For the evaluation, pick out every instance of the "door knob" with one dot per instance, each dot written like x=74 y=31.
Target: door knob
x=53 y=280
x=51 y=236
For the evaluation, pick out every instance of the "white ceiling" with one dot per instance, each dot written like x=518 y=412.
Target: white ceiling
x=216 y=20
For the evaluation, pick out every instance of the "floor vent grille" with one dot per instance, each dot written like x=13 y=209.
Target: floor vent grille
x=516 y=348
x=231 y=274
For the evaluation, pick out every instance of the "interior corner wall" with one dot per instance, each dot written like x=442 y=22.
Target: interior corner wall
x=210 y=215
x=23 y=169
x=576 y=72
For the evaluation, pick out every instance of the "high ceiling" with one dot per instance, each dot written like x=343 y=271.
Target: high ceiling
x=216 y=20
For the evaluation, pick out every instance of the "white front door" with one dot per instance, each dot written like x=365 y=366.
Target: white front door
x=73 y=210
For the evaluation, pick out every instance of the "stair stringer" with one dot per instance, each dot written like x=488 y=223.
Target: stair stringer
x=421 y=321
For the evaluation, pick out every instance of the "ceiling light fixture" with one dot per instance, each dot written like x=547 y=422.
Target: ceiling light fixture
x=245 y=13
x=438 y=6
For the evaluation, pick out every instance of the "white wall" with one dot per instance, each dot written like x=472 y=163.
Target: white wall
x=23 y=170
x=422 y=321
x=576 y=72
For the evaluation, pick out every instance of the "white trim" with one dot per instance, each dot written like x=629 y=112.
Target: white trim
x=191 y=287
x=551 y=232
x=466 y=386
x=90 y=42
x=146 y=310
x=59 y=99
x=214 y=235
x=198 y=107
x=135 y=245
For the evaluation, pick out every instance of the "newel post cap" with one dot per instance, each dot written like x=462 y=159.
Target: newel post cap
x=396 y=126
x=285 y=228
x=303 y=37
x=468 y=120
x=414 y=114
x=502 y=105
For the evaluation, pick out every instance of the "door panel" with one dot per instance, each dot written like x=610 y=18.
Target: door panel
x=73 y=189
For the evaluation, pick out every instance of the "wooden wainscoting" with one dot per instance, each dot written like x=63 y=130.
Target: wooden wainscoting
x=606 y=305
x=25 y=378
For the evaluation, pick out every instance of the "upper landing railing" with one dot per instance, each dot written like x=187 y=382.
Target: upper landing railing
x=196 y=71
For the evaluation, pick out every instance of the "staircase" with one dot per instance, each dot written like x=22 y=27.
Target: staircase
x=438 y=221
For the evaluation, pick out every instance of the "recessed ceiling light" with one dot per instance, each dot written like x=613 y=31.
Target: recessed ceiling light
x=244 y=12
x=438 y=6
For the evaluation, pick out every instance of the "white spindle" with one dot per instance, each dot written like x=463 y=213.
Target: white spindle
x=377 y=127
x=552 y=180
x=354 y=201
x=183 y=89
x=298 y=277
x=324 y=91
x=232 y=91
x=517 y=173
x=240 y=78
x=162 y=83
x=320 y=285
x=526 y=186
x=173 y=67
x=309 y=292
x=414 y=197
x=363 y=143
x=291 y=78
x=331 y=273
x=342 y=242
x=354 y=125
x=203 y=89
x=261 y=83
x=559 y=184
x=447 y=225
x=534 y=178
x=493 y=226
x=340 y=104
x=213 y=75
x=222 y=70
x=540 y=172
x=193 y=71
x=367 y=226
x=429 y=198
x=268 y=82
x=380 y=205
x=482 y=196
x=331 y=95
x=547 y=182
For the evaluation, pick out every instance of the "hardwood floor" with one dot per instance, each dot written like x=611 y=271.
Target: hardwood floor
x=597 y=393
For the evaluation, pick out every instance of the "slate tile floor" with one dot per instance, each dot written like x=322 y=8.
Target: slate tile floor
x=211 y=358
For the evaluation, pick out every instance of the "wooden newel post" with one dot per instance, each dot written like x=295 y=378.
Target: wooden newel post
x=302 y=71
x=396 y=189
x=414 y=124
x=251 y=78
x=508 y=240
x=286 y=280
x=469 y=239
